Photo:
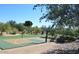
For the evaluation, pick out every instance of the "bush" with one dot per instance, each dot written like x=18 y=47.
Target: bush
x=52 y=32
x=65 y=39
x=77 y=33
x=13 y=33
x=60 y=39
x=69 y=39
x=52 y=39
x=69 y=32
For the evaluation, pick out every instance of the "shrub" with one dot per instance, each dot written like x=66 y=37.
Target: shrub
x=52 y=39
x=52 y=32
x=69 y=39
x=69 y=32
x=77 y=32
x=60 y=39
x=13 y=33
x=65 y=39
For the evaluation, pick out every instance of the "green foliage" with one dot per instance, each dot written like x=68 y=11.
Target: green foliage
x=28 y=30
x=61 y=39
x=60 y=14
x=63 y=31
x=1 y=27
x=43 y=29
x=36 y=30
x=52 y=32
x=12 y=23
x=7 y=28
x=65 y=39
x=28 y=23
x=63 y=35
x=55 y=31
x=12 y=27
x=69 y=32
x=20 y=27
x=14 y=31
x=77 y=32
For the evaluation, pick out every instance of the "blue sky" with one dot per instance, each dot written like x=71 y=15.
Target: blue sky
x=21 y=13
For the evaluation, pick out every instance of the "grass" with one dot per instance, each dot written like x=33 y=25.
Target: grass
x=19 y=36
x=6 y=45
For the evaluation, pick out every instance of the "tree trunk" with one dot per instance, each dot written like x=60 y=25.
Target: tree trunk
x=1 y=33
x=22 y=36
x=46 y=36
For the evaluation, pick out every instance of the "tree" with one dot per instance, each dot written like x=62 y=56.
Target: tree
x=43 y=29
x=12 y=23
x=28 y=23
x=20 y=27
x=46 y=35
x=36 y=30
x=46 y=30
x=61 y=15
x=1 y=28
x=7 y=27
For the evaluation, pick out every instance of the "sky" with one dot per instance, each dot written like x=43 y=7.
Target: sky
x=21 y=13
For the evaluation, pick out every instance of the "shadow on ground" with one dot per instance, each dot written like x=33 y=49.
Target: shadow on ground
x=58 y=51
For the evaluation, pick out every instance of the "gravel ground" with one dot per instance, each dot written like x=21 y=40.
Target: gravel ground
x=66 y=48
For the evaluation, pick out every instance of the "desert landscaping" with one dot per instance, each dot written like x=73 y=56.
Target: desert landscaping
x=37 y=45
x=39 y=29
